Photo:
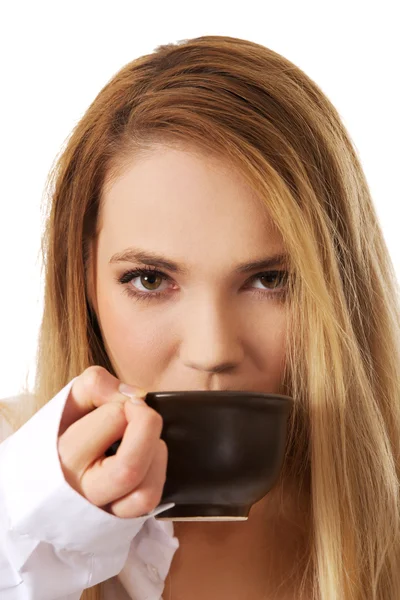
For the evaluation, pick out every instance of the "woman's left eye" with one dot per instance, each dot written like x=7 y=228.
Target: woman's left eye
x=150 y=280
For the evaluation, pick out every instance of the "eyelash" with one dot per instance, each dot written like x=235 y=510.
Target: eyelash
x=128 y=276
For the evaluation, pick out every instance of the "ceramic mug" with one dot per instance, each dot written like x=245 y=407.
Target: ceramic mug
x=225 y=451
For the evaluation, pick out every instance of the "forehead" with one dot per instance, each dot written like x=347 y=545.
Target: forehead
x=184 y=201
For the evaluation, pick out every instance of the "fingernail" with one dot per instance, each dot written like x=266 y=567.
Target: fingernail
x=134 y=394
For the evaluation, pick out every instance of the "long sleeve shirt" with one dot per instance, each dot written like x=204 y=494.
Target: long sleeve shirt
x=54 y=543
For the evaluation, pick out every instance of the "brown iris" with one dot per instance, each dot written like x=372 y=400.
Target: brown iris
x=152 y=279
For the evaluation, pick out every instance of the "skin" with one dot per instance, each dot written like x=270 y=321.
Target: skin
x=209 y=330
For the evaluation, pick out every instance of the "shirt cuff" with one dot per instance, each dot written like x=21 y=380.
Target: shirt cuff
x=41 y=505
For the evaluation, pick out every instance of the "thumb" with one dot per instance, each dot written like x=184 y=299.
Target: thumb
x=94 y=387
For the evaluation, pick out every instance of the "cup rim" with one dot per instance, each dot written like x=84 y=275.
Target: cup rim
x=231 y=394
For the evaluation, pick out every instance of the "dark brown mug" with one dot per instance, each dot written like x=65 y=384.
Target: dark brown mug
x=225 y=450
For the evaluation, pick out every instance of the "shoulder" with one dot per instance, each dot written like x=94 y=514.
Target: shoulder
x=11 y=408
x=23 y=396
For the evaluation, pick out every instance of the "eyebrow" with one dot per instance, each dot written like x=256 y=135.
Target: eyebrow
x=151 y=258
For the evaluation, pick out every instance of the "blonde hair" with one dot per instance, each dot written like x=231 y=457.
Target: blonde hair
x=243 y=102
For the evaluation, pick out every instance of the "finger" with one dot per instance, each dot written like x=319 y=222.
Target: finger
x=137 y=446
x=94 y=387
x=148 y=495
x=83 y=442
x=115 y=476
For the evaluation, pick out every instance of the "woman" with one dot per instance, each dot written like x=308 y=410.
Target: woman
x=191 y=161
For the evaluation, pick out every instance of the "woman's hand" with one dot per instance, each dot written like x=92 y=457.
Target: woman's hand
x=130 y=483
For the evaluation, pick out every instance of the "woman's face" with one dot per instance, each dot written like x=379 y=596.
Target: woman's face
x=196 y=321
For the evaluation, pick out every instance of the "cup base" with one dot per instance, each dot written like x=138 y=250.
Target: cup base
x=205 y=512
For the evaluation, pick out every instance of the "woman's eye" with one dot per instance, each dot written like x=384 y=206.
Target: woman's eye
x=148 y=280
x=272 y=279
x=147 y=283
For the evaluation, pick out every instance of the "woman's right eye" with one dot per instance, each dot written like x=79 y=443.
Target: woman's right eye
x=150 y=279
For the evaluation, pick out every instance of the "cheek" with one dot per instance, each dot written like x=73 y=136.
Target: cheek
x=135 y=341
x=278 y=342
x=280 y=353
x=270 y=339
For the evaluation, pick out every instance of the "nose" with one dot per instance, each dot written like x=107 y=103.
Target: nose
x=210 y=339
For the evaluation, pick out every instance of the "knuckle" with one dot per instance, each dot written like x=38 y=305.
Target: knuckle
x=115 y=411
x=131 y=475
x=93 y=376
x=147 y=500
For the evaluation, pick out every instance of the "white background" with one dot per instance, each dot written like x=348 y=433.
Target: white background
x=56 y=56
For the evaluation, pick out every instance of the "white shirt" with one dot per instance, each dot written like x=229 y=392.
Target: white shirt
x=53 y=542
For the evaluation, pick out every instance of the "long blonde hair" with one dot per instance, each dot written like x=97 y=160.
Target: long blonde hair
x=244 y=102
